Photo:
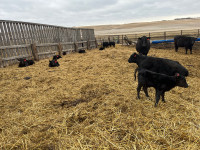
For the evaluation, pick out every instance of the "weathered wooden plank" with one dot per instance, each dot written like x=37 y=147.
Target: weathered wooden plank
x=47 y=53
x=13 y=41
x=67 y=43
x=2 y=35
x=14 y=57
x=46 y=44
x=14 y=46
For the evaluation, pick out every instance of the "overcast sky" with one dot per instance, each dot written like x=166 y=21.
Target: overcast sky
x=70 y=13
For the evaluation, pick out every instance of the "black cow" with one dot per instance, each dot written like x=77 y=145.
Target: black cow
x=160 y=82
x=56 y=57
x=53 y=63
x=143 y=45
x=64 y=53
x=105 y=44
x=81 y=51
x=184 y=41
x=112 y=44
x=159 y=65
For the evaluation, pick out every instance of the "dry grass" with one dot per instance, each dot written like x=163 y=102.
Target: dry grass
x=146 y=27
x=89 y=102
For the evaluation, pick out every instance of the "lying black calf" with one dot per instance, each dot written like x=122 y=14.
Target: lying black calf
x=56 y=57
x=23 y=62
x=53 y=63
x=81 y=51
x=160 y=82
x=101 y=48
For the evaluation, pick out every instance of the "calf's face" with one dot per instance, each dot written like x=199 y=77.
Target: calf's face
x=133 y=58
x=144 y=40
x=181 y=81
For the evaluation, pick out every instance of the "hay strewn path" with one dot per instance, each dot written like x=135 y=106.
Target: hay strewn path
x=90 y=102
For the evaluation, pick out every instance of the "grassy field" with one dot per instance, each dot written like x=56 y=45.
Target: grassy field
x=146 y=27
x=89 y=102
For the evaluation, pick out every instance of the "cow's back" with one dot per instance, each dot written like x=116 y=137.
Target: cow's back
x=182 y=41
x=164 y=66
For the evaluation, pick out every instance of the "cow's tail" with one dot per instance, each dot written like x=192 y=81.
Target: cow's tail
x=136 y=72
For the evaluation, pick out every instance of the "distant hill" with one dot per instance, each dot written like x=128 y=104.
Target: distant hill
x=143 y=27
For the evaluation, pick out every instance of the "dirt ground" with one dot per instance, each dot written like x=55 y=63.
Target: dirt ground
x=89 y=102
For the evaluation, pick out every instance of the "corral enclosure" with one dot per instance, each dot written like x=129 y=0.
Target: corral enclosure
x=166 y=35
x=89 y=102
x=40 y=41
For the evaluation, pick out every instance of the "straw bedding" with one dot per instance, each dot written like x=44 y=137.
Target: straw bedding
x=89 y=102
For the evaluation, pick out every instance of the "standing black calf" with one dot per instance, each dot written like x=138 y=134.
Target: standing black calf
x=160 y=82
x=56 y=57
x=53 y=63
x=184 y=41
x=112 y=44
x=143 y=45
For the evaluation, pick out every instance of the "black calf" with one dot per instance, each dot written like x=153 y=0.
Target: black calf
x=56 y=57
x=160 y=82
x=53 y=63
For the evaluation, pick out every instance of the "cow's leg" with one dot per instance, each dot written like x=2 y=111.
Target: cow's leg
x=163 y=97
x=145 y=91
x=191 y=50
x=138 y=90
x=158 y=93
x=186 y=50
x=176 y=48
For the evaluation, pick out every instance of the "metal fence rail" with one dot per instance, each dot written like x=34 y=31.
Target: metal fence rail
x=154 y=36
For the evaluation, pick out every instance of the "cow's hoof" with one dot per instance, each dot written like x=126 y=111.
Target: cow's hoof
x=156 y=104
x=149 y=98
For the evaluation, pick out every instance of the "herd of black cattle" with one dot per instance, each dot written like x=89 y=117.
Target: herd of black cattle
x=160 y=73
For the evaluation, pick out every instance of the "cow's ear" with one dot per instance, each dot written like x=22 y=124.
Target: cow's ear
x=177 y=75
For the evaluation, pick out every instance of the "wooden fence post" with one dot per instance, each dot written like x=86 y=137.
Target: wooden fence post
x=122 y=39
x=1 y=62
x=118 y=40
x=181 y=32
x=96 y=43
x=35 y=52
x=60 y=49
x=88 y=44
x=75 y=47
x=164 y=35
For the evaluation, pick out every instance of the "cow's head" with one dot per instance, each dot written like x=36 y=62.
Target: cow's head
x=133 y=58
x=180 y=80
x=193 y=40
x=144 y=40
